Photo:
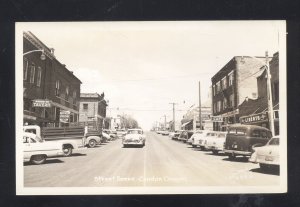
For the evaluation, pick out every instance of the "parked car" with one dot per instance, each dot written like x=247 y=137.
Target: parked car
x=191 y=139
x=198 y=136
x=185 y=135
x=134 y=137
x=105 y=136
x=216 y=144
x=176 y=135
x=241 y=139
x=268 y=155
x=121 y=133
x=36 y=150
x=164 y=132
x=205 y=139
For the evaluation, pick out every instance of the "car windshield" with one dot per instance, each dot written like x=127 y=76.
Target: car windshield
x=134 y=132
x=274 y=141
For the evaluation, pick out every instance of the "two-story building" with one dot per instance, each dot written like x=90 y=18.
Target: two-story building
x=50 y=90
x=93 y=109
x=230 y=86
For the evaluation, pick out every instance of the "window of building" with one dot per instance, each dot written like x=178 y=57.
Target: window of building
x=213 y=90
x=276 y=114
x=224 y=83
x=25 y=68
x=231 y=100
x=39 y=77
x=67 y=91
x=276 y=91
x=224 y=103
x=215 y=107
x=74 y=97
x=57 y=87
x=218 y=87
x=219 y=106
x=32 y=73
x=85 y=106
x=230 y=78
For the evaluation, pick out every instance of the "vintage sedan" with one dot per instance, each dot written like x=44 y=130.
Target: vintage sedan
x=216 y=144
x=191 y=139
x=36 y=150
x=205 y=139
x=268 y=155
x=134 y=137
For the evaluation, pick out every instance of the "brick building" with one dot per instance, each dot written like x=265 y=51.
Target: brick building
x=93 y=109
x=50 y=90
x=230 y=86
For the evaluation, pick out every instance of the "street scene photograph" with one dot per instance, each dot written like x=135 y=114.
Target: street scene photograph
x=151 y=107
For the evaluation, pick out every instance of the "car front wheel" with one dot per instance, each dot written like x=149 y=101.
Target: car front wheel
x=67 y=151
x=38 y=159
x=92 y=143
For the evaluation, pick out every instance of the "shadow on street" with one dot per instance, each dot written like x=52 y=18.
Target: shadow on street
x=270 y=171
x=48 y=161
x=237 y=159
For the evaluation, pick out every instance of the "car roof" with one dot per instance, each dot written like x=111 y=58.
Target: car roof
x=249 y=127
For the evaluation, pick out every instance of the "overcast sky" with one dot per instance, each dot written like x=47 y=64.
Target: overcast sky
x=143 y=66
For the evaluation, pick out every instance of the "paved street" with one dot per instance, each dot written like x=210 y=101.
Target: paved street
x=162 y=162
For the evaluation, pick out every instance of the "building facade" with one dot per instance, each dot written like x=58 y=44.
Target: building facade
x=230 y=86
x=255 y=111
x=93 y=109
x=50 y=90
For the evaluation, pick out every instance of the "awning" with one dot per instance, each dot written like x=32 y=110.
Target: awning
x=186 y=123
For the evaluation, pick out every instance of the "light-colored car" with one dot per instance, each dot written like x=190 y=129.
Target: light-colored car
x=121 y=133
x=267 y=156
x=37 y=150
x=205 y=139
x=196 y=137
x=164 y=132
x=134 y=137
x=191 y=139
x=216 y=144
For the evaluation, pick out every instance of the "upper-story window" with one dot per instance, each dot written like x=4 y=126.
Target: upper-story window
x=74 y=97
x=25 y=68
x=67 y=90
x=219 y=106
x=224 y=103
x=85 y=106
x=218 y=87
x=231 y=100
x=230 y=78
x=213 y=90
x=224 y=83
x=39 y=77
x=57 y=87
x=215 y=107
x=32 y=73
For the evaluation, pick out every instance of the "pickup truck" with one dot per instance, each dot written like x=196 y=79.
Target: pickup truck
x=72 y=138
x=36 y=150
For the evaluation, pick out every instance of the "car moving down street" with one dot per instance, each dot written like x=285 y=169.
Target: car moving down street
x=134 y=137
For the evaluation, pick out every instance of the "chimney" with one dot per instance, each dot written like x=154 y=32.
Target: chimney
x=52 y=51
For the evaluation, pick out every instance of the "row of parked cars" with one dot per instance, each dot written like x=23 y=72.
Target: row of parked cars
x=240 y=140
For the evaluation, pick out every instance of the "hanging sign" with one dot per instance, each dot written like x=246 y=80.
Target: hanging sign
x=64 y=116
x=41 y=103
x=262 y=117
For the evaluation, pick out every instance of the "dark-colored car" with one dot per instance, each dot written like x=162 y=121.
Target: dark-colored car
x=241 y=139
x=185 y=135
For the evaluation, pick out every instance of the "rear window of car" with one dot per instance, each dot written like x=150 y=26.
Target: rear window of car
x=237 y=131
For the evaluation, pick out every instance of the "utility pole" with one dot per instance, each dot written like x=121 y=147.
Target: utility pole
x=165 y=124
x=200 y=120
x=270 y=98
x=173 y=115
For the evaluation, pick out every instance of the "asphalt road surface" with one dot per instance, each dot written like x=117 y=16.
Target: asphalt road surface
x=162 y=162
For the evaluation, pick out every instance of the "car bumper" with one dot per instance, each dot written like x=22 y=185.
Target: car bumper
x=236 y=152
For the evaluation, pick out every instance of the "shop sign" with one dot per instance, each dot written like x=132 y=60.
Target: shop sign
x=41 y=103
x=262 y=117
x=64 y=116
x=216 y=118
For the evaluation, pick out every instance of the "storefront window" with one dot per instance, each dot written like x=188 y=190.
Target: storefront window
x=57 y=87
x=224 y=83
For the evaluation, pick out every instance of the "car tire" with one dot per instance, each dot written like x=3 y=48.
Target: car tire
x=67 y=151
x=231 y=156
x=124 y=145
x=202 y=148
x=215 y=152
x=38 y=159
x=92 y=143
